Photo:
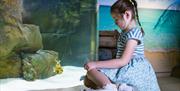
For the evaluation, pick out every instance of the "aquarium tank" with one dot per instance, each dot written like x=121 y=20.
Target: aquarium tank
x=39 y=37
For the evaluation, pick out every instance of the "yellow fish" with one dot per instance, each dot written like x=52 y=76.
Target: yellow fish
x=58 y=68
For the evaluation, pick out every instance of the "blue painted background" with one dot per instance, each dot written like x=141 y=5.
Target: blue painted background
x=161 y=27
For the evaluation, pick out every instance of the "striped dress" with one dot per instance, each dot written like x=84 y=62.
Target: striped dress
x=138 y=72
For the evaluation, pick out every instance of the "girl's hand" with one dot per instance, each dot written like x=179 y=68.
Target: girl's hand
x=90 y=65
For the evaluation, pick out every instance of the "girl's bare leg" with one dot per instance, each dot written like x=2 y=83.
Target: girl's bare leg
x=88 y=83
x=98 y=78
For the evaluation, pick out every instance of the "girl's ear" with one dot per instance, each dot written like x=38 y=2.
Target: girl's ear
x=127 y=16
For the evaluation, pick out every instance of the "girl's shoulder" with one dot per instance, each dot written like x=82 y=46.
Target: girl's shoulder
x=136 y=34
x=135 y=30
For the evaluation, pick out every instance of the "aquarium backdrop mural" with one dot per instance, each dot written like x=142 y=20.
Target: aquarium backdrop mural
x=160 y=20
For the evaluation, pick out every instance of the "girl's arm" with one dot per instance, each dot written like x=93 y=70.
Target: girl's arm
x=115 y=63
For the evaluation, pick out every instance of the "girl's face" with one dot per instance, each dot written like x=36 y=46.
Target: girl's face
x=119 y=21
x=122 y=21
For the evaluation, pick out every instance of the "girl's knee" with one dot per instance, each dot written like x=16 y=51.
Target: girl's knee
x=88 y=83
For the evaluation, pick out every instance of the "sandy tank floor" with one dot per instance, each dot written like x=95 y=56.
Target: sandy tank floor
x=68 y=81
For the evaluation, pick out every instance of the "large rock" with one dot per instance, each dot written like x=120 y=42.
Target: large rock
x=11 y=11
x=40 y=65
x=10 y=37
x=10 y=67
x=32 y=40
x=24 y=38
x=14 y=36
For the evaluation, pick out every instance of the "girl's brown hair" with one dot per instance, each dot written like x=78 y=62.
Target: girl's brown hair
x=120 y=6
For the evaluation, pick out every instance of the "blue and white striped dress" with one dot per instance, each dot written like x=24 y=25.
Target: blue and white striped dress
x=138 y=72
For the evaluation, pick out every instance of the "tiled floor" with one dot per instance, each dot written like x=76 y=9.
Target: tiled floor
x=169 y=83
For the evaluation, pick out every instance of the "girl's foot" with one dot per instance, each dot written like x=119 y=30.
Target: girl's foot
x=125 y=87
x=108 y=87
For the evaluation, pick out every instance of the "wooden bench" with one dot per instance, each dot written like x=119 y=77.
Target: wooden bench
x=107 y=44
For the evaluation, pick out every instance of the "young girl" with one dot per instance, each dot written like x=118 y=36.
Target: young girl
x=130 y=66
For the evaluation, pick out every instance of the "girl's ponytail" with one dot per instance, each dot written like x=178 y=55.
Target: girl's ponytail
x=134 y=3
